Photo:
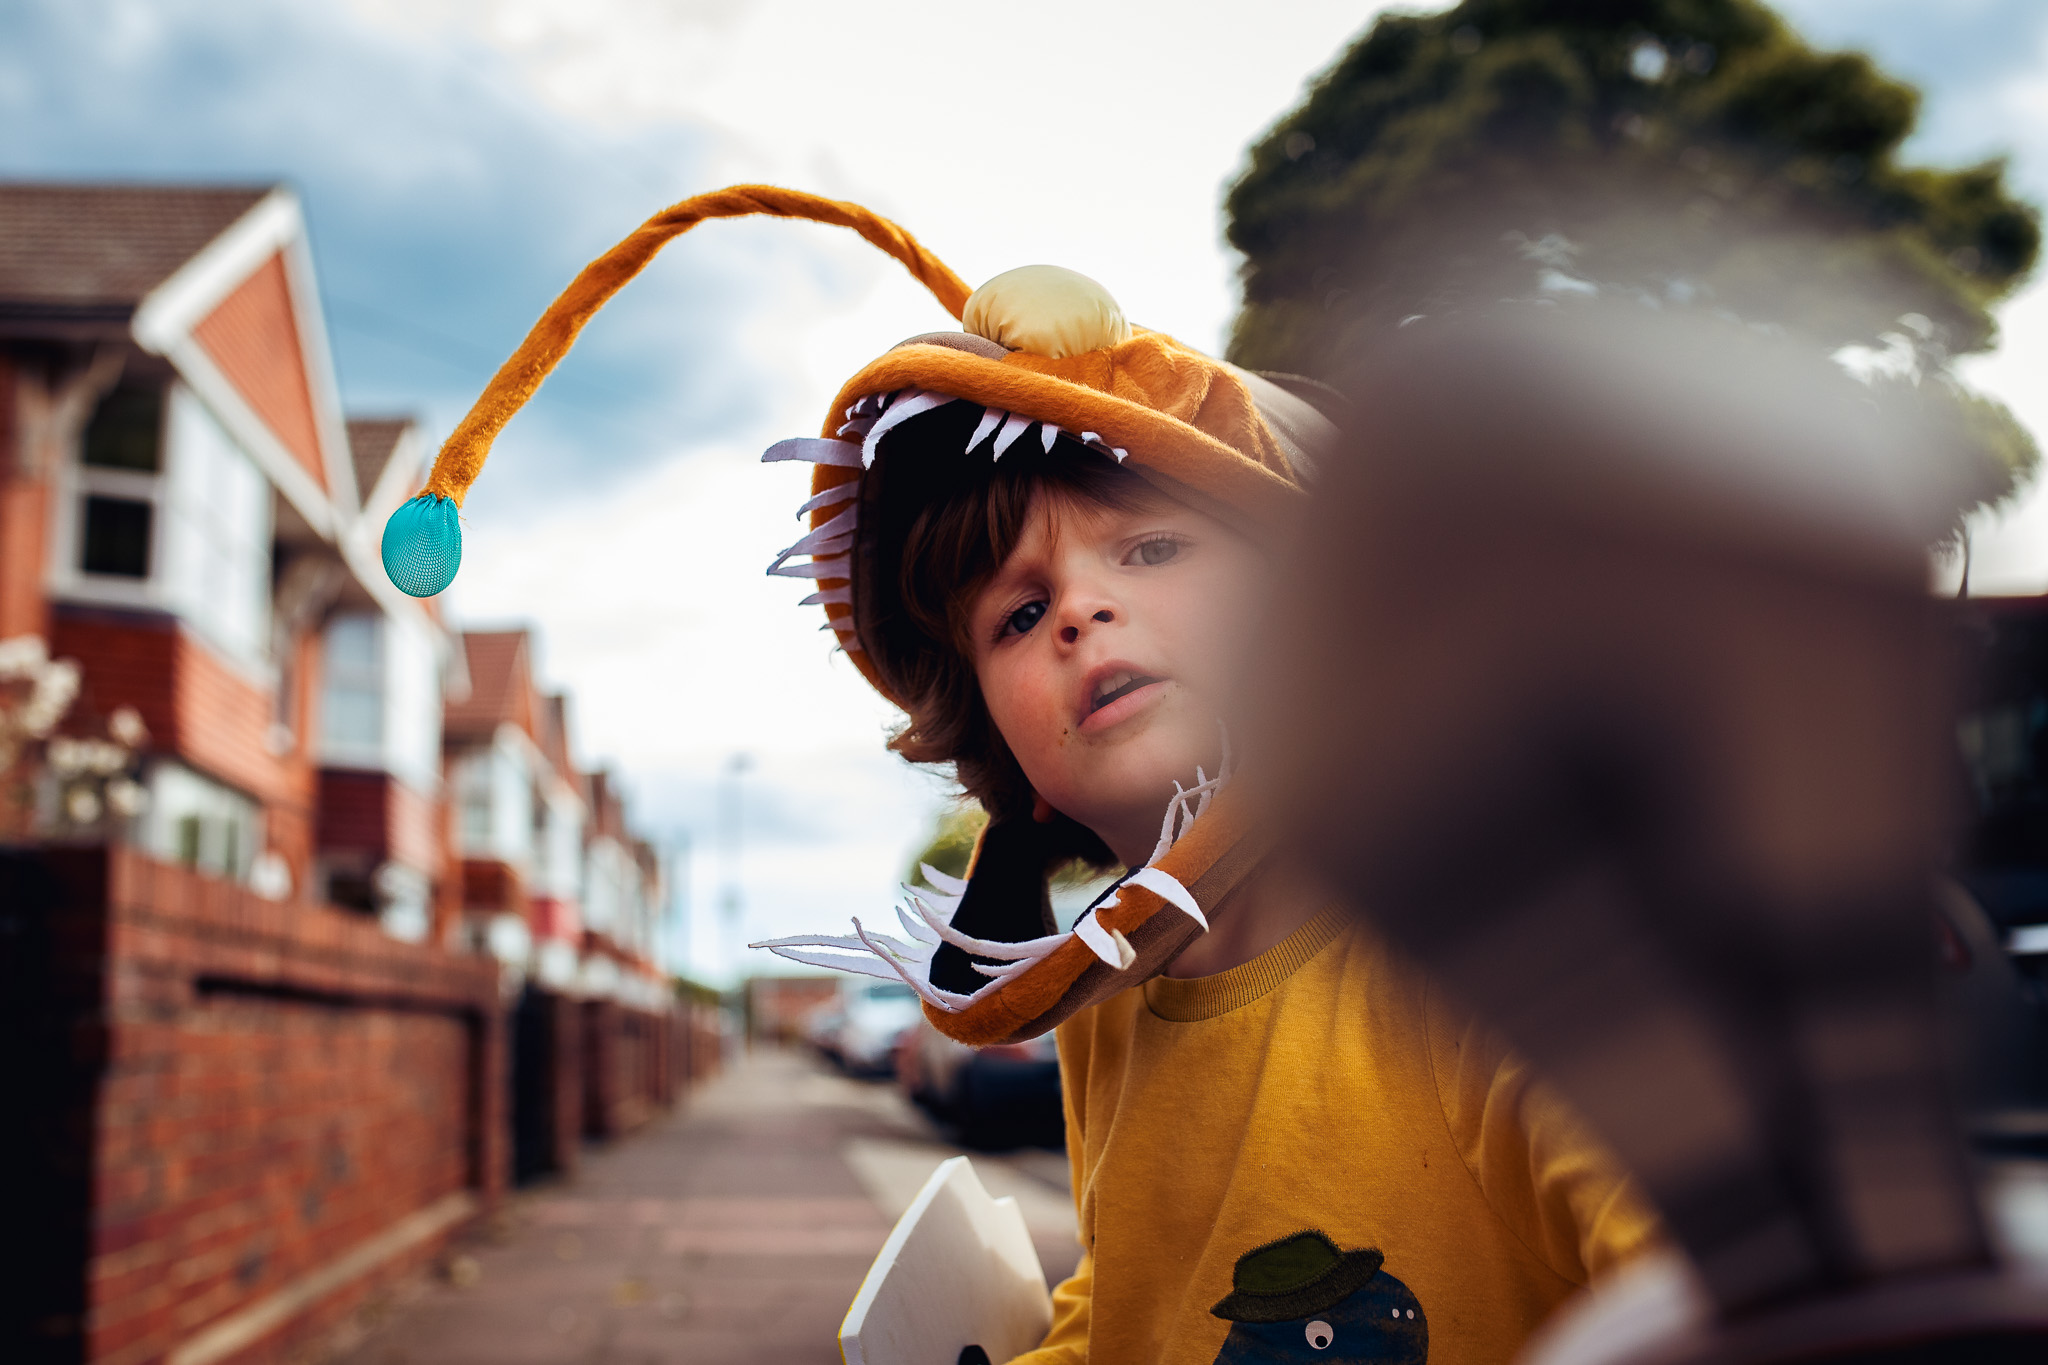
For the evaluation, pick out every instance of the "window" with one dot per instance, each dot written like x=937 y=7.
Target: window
x=198 y=822
x=120 y=457
x=475 y=781
x=166 y=511
x=115 y=539
x=412 y=705
x=352 y=691
x=126 y=431
x=217 y=538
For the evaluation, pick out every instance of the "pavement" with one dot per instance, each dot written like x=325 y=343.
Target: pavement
x=734 y=1229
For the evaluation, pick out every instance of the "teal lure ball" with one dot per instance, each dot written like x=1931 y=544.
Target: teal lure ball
x=423 y=545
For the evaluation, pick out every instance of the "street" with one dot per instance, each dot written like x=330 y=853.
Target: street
x=735 y=1229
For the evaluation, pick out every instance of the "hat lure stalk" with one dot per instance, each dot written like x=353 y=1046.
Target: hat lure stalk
x=422 y=543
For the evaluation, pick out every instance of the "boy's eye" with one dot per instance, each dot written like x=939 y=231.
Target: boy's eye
x=1154 y=552
x=1020 y=621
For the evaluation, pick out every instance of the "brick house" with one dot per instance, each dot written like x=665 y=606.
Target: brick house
x=259 y=1070
x=558 y=890
x=182 y=515
x=383 y=838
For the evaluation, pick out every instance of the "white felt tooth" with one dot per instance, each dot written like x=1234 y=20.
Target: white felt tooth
x=951 y=1002
x=1120 y=453
x=829 y=597
x=814 y=546
x=840 y=525
x=829 y=539
x=814 y=450
x=1091 y=439
x=1124 y=951
x=881 y=945
x=856 y=428
x=923 y=987
x=835 y=567
x=843 y=942
x=861 y=966
x=1047 y=434
x=831 y=497
x=899 y=412
x=916 y=928
x=1013 y=427
x=1007 y=970
x=1008 y=952
x=1165 y=844
x=1168 y=889
x=931 y=902
x=991 y=418
x=946 y=882
x=1112 y=949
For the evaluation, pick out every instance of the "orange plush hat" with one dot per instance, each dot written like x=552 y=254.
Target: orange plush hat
x=1045 y=354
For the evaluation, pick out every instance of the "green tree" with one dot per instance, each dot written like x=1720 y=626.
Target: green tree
x=952 y=841
x=951 y=844
x=1690 y=151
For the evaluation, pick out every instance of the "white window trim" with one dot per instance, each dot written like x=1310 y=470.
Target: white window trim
x=71 y=482
x=74 y=482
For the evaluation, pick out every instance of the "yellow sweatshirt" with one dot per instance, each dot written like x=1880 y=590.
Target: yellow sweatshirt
x=1316 y=1147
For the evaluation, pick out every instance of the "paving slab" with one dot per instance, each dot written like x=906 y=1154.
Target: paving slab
x=734 y=1230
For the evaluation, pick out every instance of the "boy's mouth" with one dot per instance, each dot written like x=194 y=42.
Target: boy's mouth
x=1116 y=686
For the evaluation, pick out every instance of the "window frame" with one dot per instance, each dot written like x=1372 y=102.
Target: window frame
x=73 y=481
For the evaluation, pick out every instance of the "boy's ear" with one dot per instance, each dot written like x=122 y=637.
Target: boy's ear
x=1041 y=809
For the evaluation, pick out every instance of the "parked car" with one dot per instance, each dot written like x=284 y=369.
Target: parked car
x=990 y=1098
x=821 y=1030
x=875 y=1014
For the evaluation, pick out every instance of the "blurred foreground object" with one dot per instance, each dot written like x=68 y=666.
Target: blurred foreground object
x=957 y=1282
x=1617 y=697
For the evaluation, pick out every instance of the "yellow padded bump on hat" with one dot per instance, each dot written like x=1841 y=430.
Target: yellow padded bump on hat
x=1046 y=310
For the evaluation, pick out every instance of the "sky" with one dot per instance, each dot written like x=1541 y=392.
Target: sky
x=460 y=159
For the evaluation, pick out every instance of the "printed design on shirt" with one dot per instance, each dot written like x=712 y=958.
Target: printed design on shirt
x=1301 y=1298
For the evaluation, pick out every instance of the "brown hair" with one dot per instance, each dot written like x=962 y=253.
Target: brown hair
x=937 y=522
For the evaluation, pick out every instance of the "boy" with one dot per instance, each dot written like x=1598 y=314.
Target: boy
x=1040 y=536
x=1283 y=1147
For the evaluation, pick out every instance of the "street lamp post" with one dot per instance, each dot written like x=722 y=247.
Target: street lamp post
x=731 y=902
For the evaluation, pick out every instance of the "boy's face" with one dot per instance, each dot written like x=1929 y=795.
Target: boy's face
x=1105 y=647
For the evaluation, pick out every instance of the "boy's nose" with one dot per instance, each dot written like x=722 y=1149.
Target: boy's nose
x=1069 y=634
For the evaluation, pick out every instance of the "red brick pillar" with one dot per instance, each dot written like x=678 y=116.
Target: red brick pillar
x=490 y=1139
x=567 y=1060
x=600 y=1068
x=24 y=517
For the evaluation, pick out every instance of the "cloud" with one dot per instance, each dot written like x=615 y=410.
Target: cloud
x=447 y=205
x=1967 y=56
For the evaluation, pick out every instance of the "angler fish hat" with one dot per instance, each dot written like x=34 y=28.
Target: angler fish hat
x=1044 y=354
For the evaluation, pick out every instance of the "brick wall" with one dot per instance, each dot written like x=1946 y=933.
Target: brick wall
x=488 y=884
x=628 y=1068
x=352 y=811
x=697 y=1049
x=262 y=1112
x=196 y=705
